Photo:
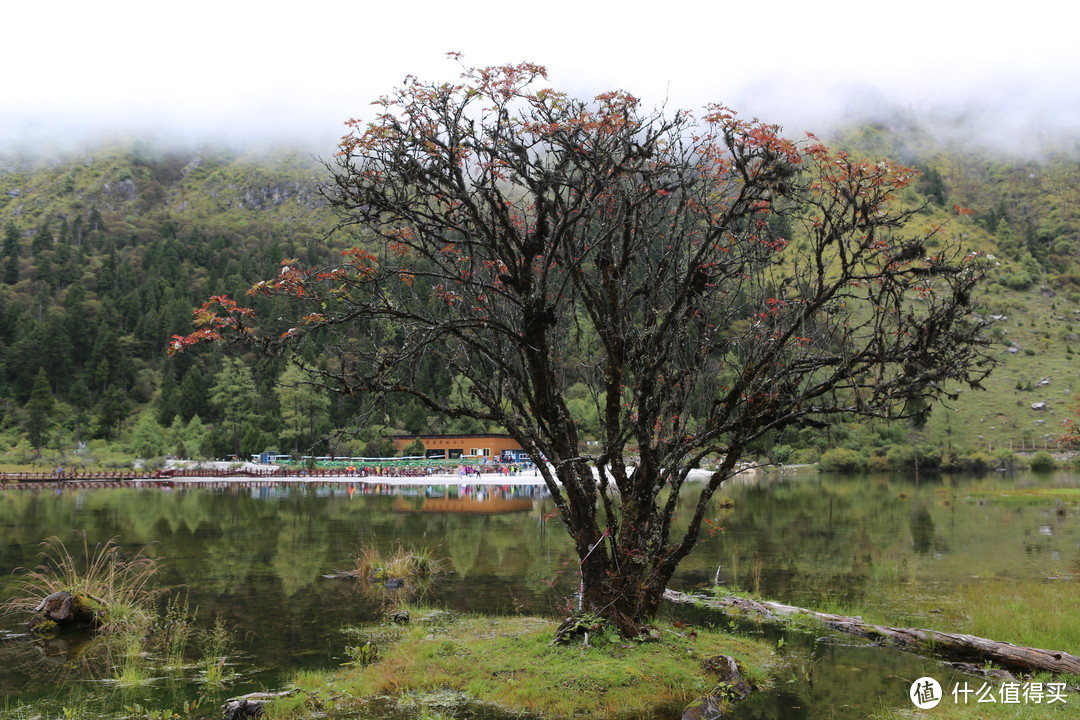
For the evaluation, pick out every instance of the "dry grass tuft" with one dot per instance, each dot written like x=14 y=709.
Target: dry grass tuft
x=119 y=585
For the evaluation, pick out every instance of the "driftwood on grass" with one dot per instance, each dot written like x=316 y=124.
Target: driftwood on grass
x=951 y=646
x=249 y=706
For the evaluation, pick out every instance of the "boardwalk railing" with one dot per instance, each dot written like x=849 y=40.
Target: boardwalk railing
x=66 y=476
x=120 y=475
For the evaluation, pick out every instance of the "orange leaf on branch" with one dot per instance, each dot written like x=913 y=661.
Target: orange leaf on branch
x=212 y=324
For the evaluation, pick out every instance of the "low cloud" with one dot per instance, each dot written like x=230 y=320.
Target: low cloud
x=243 y=72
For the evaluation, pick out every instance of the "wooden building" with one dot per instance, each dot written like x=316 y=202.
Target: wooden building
x=489 y=447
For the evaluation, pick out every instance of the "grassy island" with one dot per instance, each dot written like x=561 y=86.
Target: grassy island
x=441 y=661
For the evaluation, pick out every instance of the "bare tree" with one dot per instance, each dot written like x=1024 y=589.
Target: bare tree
x=707 y=280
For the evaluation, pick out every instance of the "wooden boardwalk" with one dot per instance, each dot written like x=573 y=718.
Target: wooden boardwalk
x=104 y=476
x=129 y=478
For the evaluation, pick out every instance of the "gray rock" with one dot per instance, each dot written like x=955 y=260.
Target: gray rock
x=730 y=686
x=706 y=708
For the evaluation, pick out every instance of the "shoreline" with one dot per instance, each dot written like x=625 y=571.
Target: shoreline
x=440 y=479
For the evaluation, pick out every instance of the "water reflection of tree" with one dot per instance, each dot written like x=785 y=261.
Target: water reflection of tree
x=922 y=529
x=301 y=551
x=827 y=539
x=252 y=552
x=815 y=537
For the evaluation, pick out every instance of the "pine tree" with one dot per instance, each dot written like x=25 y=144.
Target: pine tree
x=11 y=254
x=39 y=411
x=147 y=438
x=79 y=397
x=304 y=410
x=233 y=398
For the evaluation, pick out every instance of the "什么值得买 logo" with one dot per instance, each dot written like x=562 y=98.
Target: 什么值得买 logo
x=925 y=693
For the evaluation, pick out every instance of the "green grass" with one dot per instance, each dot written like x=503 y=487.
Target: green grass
x=217 y=646
x=991 y=419
x=1022 y=496
x=1034 y=613
x=414 y=570
x=1031 y=612
x=175 y=631
x=950 y=709
x=509 y=662
x=133 y=670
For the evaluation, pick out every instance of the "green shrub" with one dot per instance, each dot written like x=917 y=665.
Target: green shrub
x=878 y=463
x=929 y=457
x=780 y=454
x=975 y=462
x=1017 y=281
x=1009 y=460
x=842 y=460
x=804 y=456
x=900 y=457
x=1043 y=461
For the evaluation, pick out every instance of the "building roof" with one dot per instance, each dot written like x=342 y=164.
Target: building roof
x=503 y=436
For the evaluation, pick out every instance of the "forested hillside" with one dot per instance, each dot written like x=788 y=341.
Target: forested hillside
x=105 y=253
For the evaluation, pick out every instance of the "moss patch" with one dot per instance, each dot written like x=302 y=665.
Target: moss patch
x=1027 y=496
x=508 y=663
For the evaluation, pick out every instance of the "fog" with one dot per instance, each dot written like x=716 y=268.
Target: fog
x=238 y=72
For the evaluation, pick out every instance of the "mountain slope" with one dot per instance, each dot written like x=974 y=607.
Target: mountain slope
x=107 y=251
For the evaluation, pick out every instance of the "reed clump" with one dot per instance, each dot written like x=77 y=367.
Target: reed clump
x=401 y=563
x=115 y=587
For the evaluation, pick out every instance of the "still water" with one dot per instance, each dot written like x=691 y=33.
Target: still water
x=256 y=555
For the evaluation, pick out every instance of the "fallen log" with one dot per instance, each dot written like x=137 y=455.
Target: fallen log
x=950 y=646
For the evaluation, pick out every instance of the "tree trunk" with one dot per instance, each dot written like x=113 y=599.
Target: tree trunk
x=625 y=591
x=62 y=609
x=951 y=646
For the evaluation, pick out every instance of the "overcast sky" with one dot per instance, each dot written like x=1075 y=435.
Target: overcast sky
x=236 y=69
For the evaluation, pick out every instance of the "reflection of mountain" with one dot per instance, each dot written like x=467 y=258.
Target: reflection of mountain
x=484 y=505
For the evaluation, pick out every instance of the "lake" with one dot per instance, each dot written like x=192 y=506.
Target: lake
x=254 y=555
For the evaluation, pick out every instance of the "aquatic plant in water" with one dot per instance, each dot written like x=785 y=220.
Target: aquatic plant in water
x=130 y=643
x=406 y=563
x=115 y=588
x=217 y=647
x=405 y=574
